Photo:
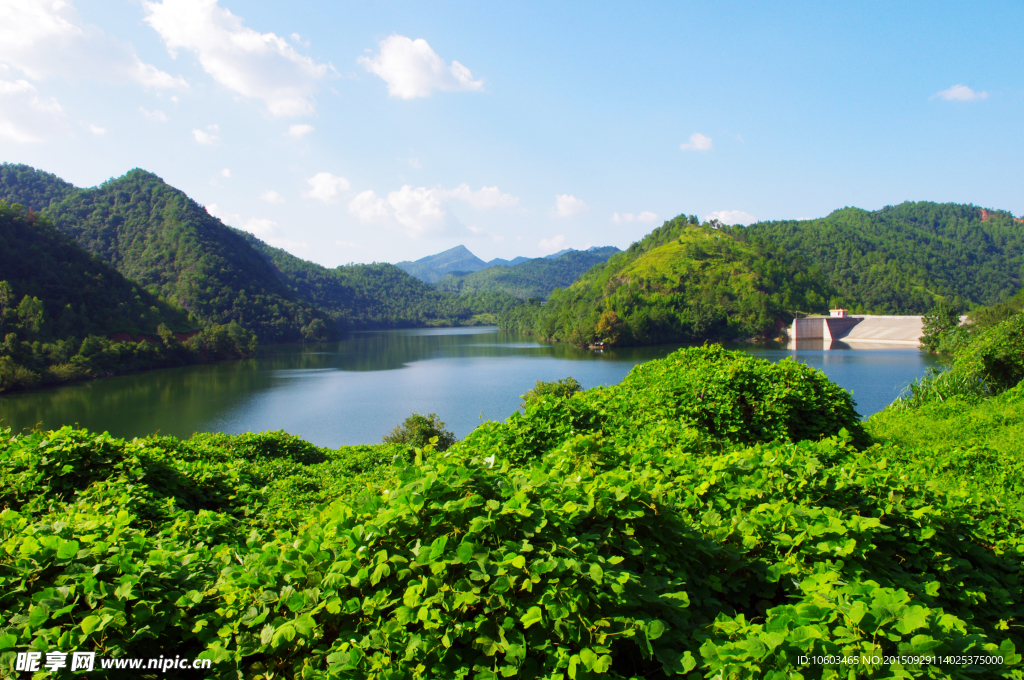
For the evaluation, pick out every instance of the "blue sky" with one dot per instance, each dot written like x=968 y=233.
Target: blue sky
x=360 y=132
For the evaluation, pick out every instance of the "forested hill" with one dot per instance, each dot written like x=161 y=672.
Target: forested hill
x=31 y=188
x=533 y=278
x=681 y=282
x=157 y=236
x=64 y=315
x=373 y=295
x=70 y=293
x=897 y=260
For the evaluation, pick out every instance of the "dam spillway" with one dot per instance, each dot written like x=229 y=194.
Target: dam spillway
x=859 y=330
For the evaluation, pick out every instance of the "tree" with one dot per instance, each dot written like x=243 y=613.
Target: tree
x=942 y=319
x=565 y=387
x=417 y=430
x=610 y=327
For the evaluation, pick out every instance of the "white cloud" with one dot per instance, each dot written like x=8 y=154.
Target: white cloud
x=960 y=93
x=567 y=205
x=265 y=229
x=299 y=131
x=646 y=217
x=731 y=217
x=412 y=69
x=225 y=173
x=698 y=142
x=259 y=226
x=271 y=196
x=369 y=208
x=223 y=215
x=211 y=137
x=255 y=65
x=484 y=198
x=347 y=244
x=156 y=115
x=326 y=187
x=25 y=117
x=415 y=162
x=46 y=38
x=421 y=211
x=415 y=211
x=551 y=245
x=96 y=129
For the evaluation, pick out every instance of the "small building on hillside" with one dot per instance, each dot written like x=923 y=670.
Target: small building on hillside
x=838 y=313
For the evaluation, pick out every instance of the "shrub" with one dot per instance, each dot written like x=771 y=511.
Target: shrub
x=997 y=355
x=417 y=430
x=693 y=520
x=564 y=387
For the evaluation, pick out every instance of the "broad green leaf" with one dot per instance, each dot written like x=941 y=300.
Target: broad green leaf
x=90 y=623
x=465 y=552
x=437 y=547
x=37 y=616
x=533 y=615
x=655 y=629
x=67 y=550
x=285 y=633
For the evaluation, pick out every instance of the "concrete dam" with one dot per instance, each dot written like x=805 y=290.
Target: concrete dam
x=860 y=330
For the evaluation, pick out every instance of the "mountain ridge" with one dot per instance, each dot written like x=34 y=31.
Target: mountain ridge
x=534 y=278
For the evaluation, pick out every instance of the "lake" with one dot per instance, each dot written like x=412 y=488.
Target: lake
x=356 y=390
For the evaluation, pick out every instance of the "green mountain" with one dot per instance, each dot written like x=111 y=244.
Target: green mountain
x=65 y=315
x=681 y=282
x=531 y=278
x=458 y=261
x=433 y=267
x=31 y=188
x=899 y=259
x=80 y=295
x=374 y=295
x=500 y=262
x=157 y=236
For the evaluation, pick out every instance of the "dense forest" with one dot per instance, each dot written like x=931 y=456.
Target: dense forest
x=682 y=282
x=533 y=278
x=31 y=188
x=166 y=242
x=65 y=315
x=713 y=515
x=902 y=259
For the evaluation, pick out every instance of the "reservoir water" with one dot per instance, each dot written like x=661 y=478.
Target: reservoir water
x=356 y=390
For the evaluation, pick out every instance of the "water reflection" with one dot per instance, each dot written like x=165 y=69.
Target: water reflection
x=357 y=389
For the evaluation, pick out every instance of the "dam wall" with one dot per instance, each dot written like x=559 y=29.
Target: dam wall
x=860 y=329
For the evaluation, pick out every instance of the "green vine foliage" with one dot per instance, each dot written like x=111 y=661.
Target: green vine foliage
x=712 y=516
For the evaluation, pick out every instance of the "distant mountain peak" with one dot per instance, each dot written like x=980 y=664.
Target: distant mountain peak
x=433 y=267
